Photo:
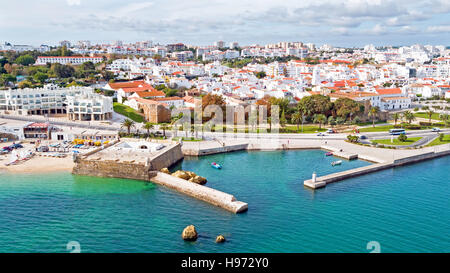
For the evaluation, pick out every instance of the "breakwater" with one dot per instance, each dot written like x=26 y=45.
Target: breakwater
x=212 y=196
x=320 y=182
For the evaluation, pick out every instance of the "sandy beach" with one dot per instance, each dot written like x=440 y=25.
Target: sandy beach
x=39 y=164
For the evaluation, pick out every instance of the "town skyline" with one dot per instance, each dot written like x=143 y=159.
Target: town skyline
x=340 y=23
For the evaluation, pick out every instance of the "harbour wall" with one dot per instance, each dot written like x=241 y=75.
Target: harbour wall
x=109 y=168
x=215 y=150
x=212 y=196
x=166 y=158
x=322 y=181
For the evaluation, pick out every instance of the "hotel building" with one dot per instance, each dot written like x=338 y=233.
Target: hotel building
x=75 y=60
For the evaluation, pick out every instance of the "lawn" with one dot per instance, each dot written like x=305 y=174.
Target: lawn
x=128 y=112
x=435 y=142
x=384 y=128
x=435 y=116
x=409 y=141
x=307 y=129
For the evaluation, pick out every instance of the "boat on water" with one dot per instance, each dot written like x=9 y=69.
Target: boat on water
x=334 y=163
x=329 y=154
x=215 y=165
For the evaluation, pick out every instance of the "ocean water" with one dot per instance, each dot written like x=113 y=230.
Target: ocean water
x=405 y=209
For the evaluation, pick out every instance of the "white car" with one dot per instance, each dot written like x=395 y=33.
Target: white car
x=321 y=134
x=435 y=129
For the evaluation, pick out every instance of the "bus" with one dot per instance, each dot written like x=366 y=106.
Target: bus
x=397 y=132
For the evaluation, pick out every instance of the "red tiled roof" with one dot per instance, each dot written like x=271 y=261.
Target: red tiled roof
x=390 y=91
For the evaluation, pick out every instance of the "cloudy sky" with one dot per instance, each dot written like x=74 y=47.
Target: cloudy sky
x=201 y=22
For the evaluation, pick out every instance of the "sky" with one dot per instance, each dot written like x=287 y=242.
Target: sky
x=350 y=23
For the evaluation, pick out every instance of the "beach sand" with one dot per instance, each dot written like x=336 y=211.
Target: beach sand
x=39 y=164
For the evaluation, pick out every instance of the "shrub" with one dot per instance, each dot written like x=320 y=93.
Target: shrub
x=402 y=138
x=441 y=137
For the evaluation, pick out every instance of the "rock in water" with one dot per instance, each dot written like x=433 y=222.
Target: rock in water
x=220 y=239
x=165 y=170
x=198 y=179
x=182 y=175
x=189 y=233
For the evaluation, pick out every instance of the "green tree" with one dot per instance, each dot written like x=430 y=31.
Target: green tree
x=445 y=118
x=148 y=126
x=396 y=117
x=63 y=71
x=373 y=112
x=283 y=119
x=346 y=107
x=402 y=138
x=261 y=75
x=430 y=114
x=321 y=119
x=7 y=78
x=128 y=123
x=316 y=104
x=408 y=116
x=40 y=77
x=296 y=118
x=25 y=60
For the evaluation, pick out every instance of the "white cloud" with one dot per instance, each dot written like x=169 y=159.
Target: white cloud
x=437 y=29
x=73 y=2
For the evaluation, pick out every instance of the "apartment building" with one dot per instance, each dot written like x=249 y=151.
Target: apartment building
x=74 y=60
x=89 y=106
x=51 y=99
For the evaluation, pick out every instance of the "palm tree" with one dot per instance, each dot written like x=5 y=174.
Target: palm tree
x=164 y=127
x=320 y=118
x=396 y=117
x=409 y=116
x=373 y=112
x=445 y=118
x=128 y=123
x=430 y=113
x=269 y=121
x=297 y=118
x=148 y=126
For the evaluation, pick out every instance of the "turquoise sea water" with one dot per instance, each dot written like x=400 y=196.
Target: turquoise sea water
x=405 y=209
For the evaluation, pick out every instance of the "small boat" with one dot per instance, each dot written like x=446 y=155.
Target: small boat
x=215 y=165
x=329 y=154
x=334 y=163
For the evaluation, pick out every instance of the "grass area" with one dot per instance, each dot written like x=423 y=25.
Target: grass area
x=409 y=141
x=424 y=115
x=186 y=139
x=384 y=128
x=435 y=142
x=307 y=129
x=128 y=112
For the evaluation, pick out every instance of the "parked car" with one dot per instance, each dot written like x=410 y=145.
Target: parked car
x=435 y=129
x=7 y=148
x=43 y=149
x=16 y=146
x=362 y=137
x=321 y=134
x=331 y=131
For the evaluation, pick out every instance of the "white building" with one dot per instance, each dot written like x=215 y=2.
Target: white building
x=89 y=106
x=51 y=99
x=75 y=60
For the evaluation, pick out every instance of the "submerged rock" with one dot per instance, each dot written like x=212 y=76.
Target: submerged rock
x=165 y=170
x=198 y=180
x=220 y=239
x=189 y=233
